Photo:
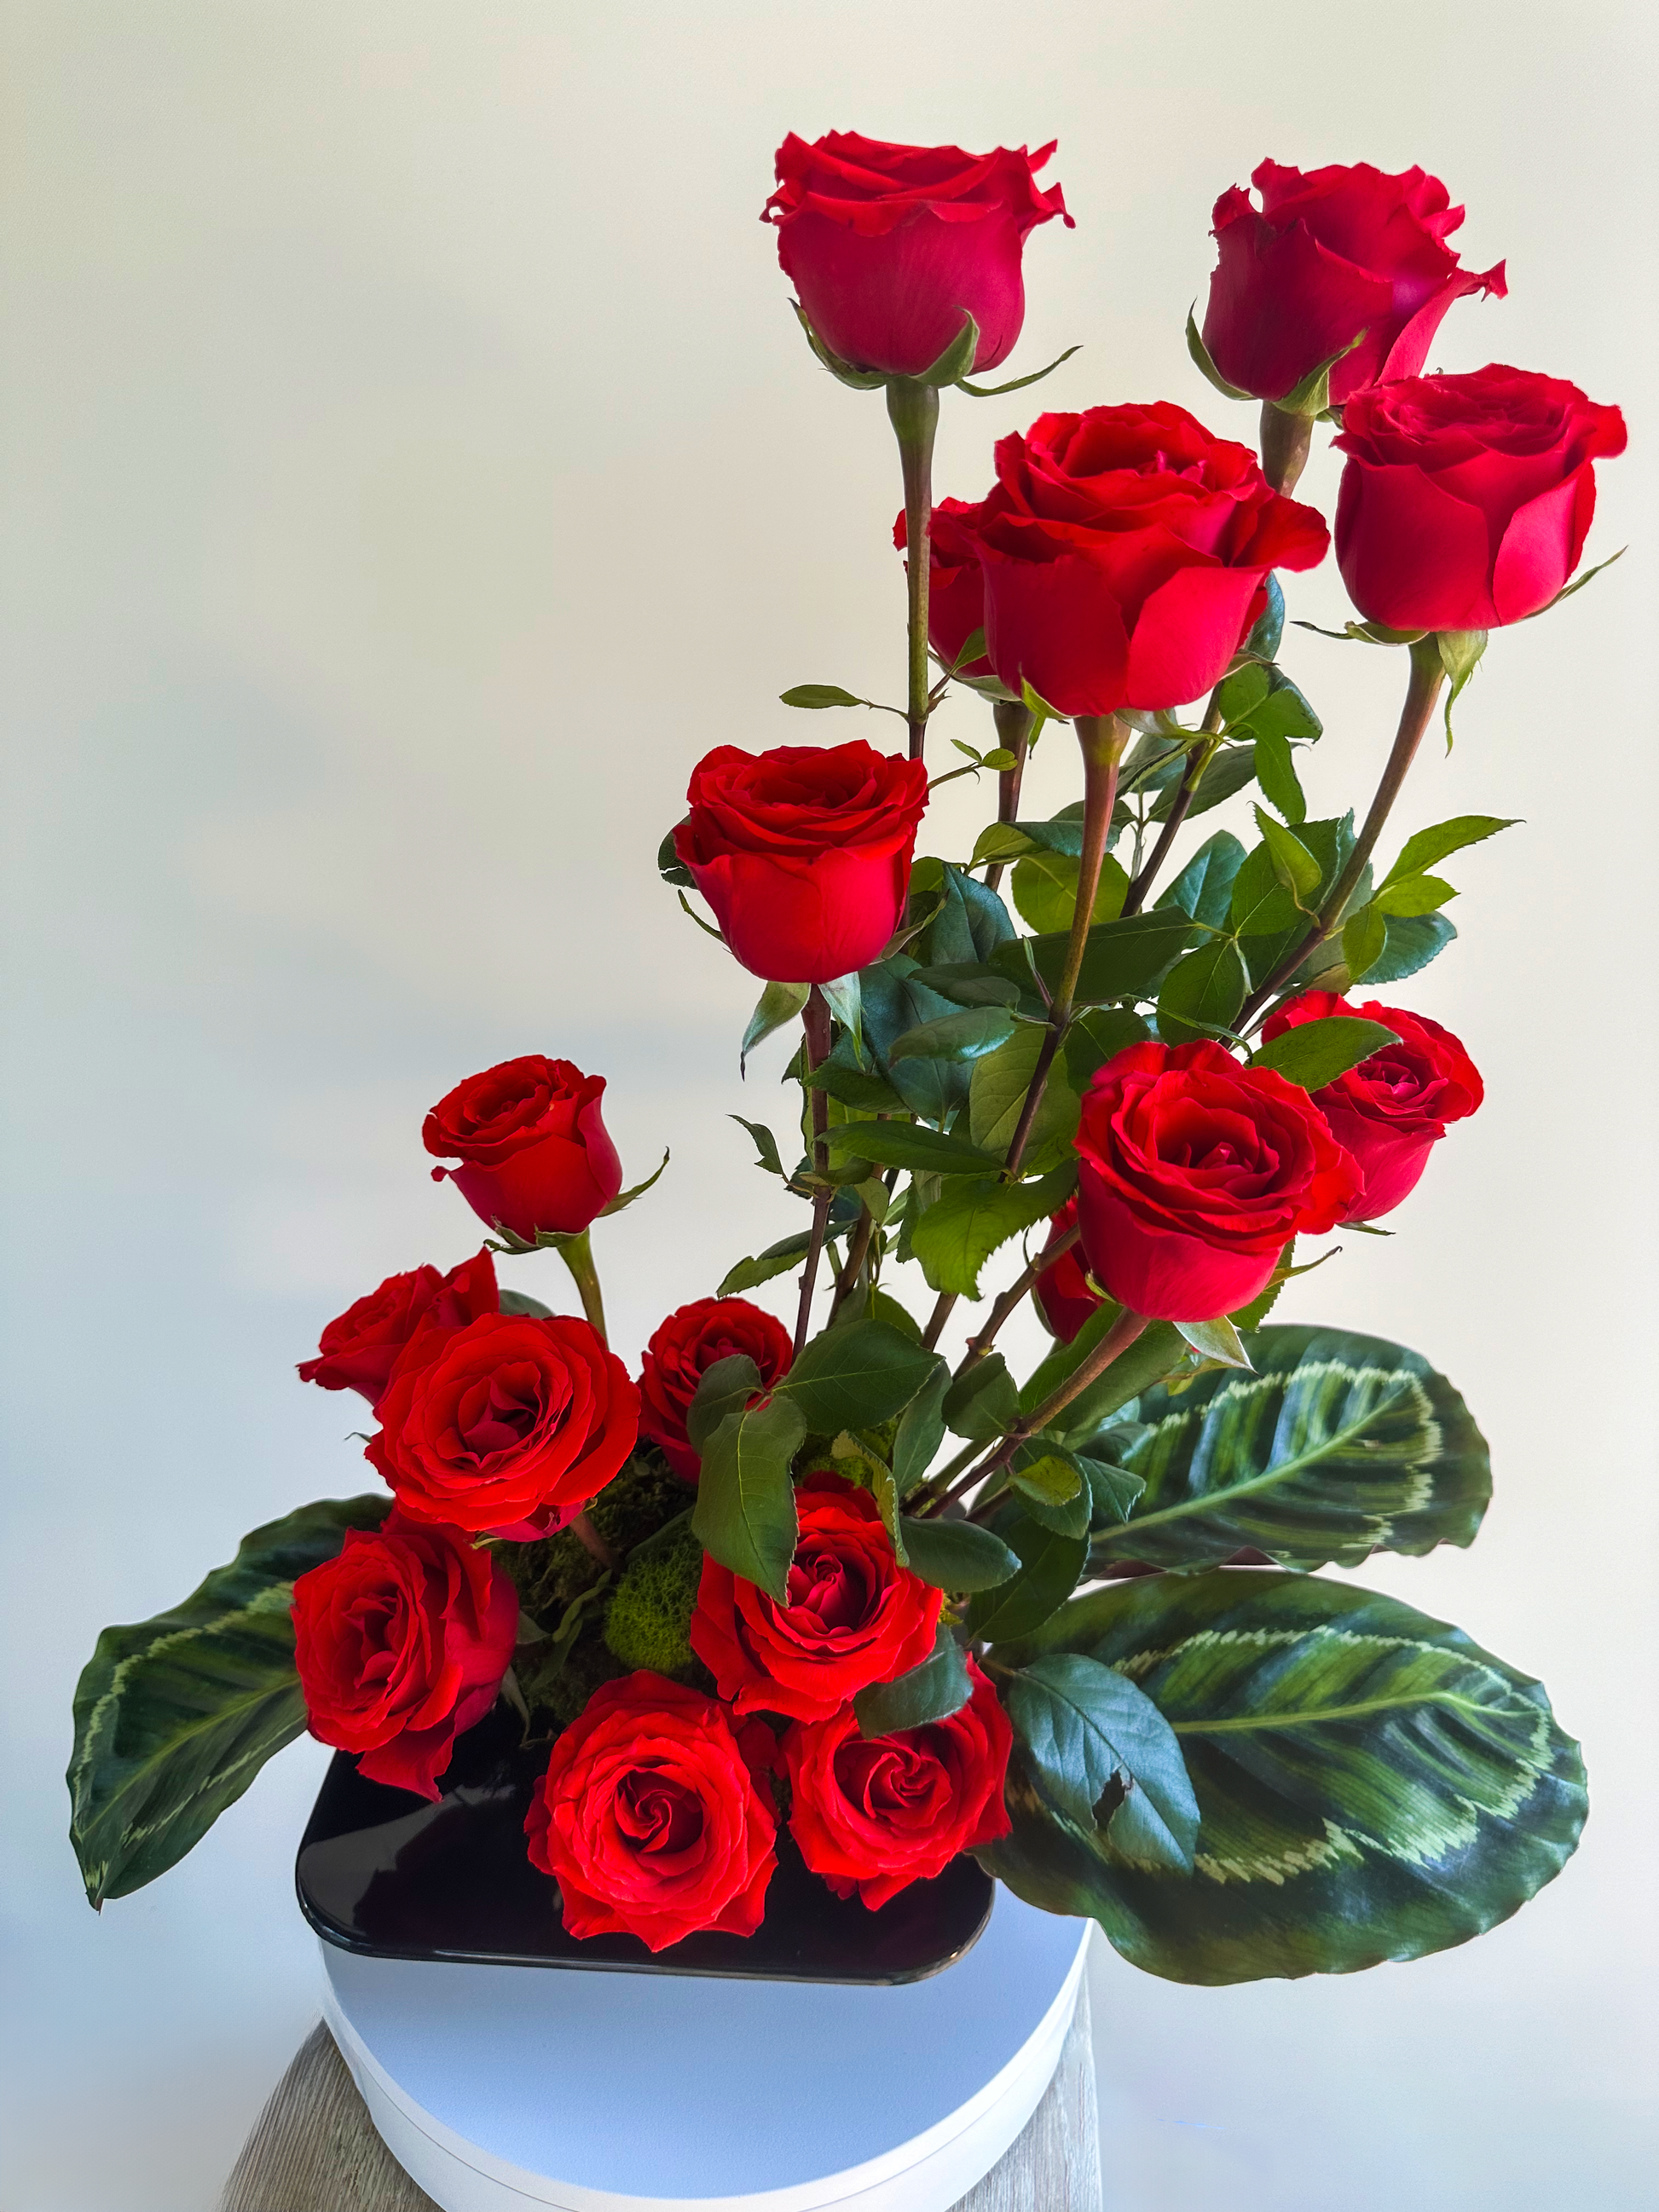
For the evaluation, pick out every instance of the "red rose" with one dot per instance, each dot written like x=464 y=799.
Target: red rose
x=875 y=1817
x=1124 y=552
x=1391 y=1110
x=1333 y=253
x=689 y=1341
x=401 y=1642
x=1194 y=1173
x=1465 y=500
x=533 y=1151
x=855 y=1616
x=804 y=853
x=649 y=1818
x=1064 y=1299
x=509 y=1425
x=955 y=587
x=358 y=1349
x=887 y=245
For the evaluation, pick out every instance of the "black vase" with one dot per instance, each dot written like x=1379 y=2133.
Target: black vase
x=392 y=1876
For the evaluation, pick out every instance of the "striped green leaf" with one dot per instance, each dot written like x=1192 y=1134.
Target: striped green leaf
x=174 y=1717
x=1370 y=1784
x=1337 y=1446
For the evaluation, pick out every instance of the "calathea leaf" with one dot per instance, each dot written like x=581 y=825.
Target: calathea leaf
x=932 y=1692
x=856 y=1377
x=745 y=1515
x=174 y=1717
x=1339 y=1445
x=1084 y=1727
x=1370 y=1784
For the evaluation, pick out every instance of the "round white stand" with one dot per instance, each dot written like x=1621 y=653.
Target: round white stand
x=514 y=2086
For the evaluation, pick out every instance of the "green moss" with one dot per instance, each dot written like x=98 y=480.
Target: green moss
x=647 y=1620
x=549 y=1574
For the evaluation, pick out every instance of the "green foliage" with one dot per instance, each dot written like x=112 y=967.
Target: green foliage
x=1123 y=959
x=174 y=1717
x=1338 y=1445
x=974 y=1217
x=745 y=1515
x=855 y=1378
x=1313 y=1054
x=1050 y=1487
x=820 y=695
x=969 y=1034
x=997 y=1095
x=723 y=1387
x=981 y=1402
x=779 y=1004
x=1095 y=1035
x=1050 y=1563
x=1409 y=942
x=789 y=1251
x=1084 y=1728
x=955 y=1555
x=894 y=1004
x=1202 y=993
x=1370 y=1784
x=931 y=1692
x=1229 y=769
x=1045 y=888
x=647 y=1622
x=920 y=1431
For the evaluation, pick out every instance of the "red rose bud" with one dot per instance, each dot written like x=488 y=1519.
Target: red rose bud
x=509 y=1425
x=1063 y=1299
x=358 y=1349
x=887 y=245
x=955 y=587
x=804 y=853
x=533 y=1151
x=855 y=1616
x=1465 y=500
x=1332 y=254
x=1125 y=551
x=691 y=1340
x=650 y=1820
x=875 y=1817
x=401 y=1642
x=1391 y=1111
x=1194 y=1173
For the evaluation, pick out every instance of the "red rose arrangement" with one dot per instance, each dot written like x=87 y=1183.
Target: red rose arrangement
x=835 y=1569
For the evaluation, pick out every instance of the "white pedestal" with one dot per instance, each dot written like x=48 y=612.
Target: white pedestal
x=514 y=2086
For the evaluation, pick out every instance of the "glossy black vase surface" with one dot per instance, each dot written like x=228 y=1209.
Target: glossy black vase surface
x=387 y=1874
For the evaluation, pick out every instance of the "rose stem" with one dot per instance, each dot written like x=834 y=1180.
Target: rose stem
x=1197 y=761
x=1103 y=737
x=980 y=1345
x=913 y=409
x=590 y=1540
x=1285 y=440
x=815 y=1020
x=1118 y=1339
x=863 y=1237
x=577 y=1253
x=1013 y=724
x=1428 y=674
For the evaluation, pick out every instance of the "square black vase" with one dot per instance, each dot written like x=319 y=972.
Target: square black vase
x=391 y=1875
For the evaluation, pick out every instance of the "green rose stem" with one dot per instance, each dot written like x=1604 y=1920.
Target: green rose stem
x=913 y=409
x=1197 y=761
x=577 y=1253
x=858 y=1251
x=1286 y=441
x=1428 y=674
x=980 y=1345
x=815 y=1020
x=1013 y=723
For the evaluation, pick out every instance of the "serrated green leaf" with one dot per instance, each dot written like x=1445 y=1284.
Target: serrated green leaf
x=1430 y=845
x=997 y=1091
x=1202 y=993
x=931 y=1692
x=1229 y=768
x=921 y=1429
x=906 y=1145
x=856 y=1377
x=1295 y=865
x=1084 y=1727
x=1339 y=1445
x=981 y=1402
x=1049 y=1566
x=955 y=1555
x=1412 y=894
x=1275 y=771
x=723 y=1387
x=967 y=1034
x=1370 y=1783
x=766 y=1144
x=1313 y=1054
x=1123 y=959
x=1364 y=936
x=1410 y=942
x=745 y=1515
x=1204 y=888
x=974 y=1217
x=1050 y=1487
x=789 y=1251
x=174 y=1717
x=1097 y=1035
x=779 y=1003
x=1045 y=887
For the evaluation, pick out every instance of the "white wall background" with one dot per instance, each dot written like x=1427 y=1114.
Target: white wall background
x=410 y=467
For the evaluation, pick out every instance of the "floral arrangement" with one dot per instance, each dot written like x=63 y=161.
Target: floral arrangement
x=818 y=1588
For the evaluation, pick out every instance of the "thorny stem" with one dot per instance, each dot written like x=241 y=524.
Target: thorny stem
x=1013 y=723
x=815 y=1020
x=937 y=1319
x=1118 y=1339
x=913 y=409
x=590 y=1540
x=980 y=1345
x=1428 y=674
x=1103 y=737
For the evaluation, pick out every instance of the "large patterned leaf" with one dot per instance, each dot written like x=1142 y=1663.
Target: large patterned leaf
x=174 y=1717
x=1370 y=1784
x=1338 y=1445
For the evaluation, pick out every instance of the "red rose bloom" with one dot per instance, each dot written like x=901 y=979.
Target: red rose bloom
x=509 y=1425
x=1063 y=1297
x=1124 y=552
x=875 y=1817
x=1194 y=1173
x=401 y=1642
x=804 y=853
x=1465 y=500
x=687 y=1343
x=533 y=1151
x=887 y=245
x=358 y=1349
x=1333 y=253
x=1391 y=1110
x=855 y=1616
x=956 y=588
x=649 y=1818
